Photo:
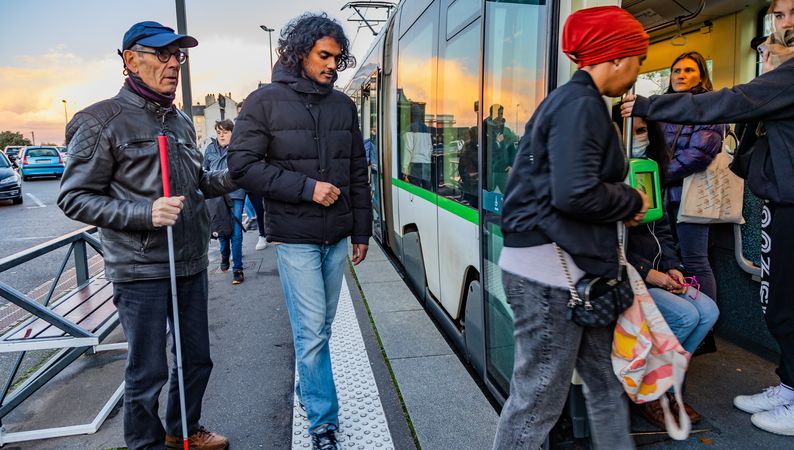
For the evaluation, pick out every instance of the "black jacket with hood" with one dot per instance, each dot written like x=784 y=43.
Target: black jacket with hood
x=289 y=135
x=567 y=182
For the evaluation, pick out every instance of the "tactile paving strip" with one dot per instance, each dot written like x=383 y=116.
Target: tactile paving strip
x=362 y=422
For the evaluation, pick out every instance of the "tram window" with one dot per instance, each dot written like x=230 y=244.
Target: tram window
x=456 y=166
x=516 y=47
x=415 y=76
x=460 y=13
x=515 y=63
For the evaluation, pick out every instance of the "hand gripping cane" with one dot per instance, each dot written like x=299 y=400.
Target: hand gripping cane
x=162 y=141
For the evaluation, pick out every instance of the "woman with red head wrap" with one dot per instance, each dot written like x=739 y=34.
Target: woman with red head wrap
x=566 y=188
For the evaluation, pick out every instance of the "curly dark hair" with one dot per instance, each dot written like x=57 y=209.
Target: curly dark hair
x=299 y=36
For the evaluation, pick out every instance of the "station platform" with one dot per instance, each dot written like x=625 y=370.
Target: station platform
x=400 y=384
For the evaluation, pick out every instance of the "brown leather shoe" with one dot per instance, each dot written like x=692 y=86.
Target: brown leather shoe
x=200 y=440
x=694 y=416
x=653 y=413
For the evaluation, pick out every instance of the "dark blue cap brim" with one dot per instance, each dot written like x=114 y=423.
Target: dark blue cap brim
x=166 y=39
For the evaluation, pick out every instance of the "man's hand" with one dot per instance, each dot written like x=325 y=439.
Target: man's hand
x=165 y=210
x=359 y=253
x=634 y=221
x=325 y=193
x=627 y=106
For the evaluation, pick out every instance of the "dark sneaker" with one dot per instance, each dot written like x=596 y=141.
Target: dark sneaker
x=238 y=277
x=224 y=264
x=324 y=441
x=200 y=440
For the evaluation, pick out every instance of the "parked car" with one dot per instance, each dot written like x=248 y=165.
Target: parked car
x=12 y=152
x=40 y=161
x=64 y=153
x=10 y=187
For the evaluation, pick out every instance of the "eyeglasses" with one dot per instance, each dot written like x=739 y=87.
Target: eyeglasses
x=164 y=55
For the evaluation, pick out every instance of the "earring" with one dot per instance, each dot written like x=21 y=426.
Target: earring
x=125 y=72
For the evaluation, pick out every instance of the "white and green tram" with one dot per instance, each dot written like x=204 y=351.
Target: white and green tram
x=444 y=94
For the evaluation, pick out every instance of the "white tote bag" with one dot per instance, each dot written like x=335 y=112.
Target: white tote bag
x=715 y=195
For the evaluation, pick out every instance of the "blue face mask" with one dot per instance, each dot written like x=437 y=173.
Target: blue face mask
x=639 y=145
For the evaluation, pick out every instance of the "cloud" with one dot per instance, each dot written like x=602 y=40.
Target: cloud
x=31 y=91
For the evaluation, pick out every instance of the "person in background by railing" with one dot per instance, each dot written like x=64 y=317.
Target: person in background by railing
x=113 y=181
x=768 y=99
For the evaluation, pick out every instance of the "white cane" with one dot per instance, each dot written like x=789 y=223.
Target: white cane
x=163 y=144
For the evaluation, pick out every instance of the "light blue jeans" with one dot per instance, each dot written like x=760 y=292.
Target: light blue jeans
x=236 y=238
x=690 y=315
x=311 y=276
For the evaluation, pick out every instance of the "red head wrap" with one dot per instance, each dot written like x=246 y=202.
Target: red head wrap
x=595 y=35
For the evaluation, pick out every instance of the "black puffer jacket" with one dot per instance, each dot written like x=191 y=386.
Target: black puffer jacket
x=567 y=181
x=113 y=177
x=289 y=135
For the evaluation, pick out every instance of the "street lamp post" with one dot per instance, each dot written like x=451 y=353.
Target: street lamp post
x=65 y=119
x=270 y=41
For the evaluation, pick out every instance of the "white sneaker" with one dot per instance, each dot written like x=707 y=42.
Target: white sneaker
x=768 y=400
x=261 y=244
x=779 y=420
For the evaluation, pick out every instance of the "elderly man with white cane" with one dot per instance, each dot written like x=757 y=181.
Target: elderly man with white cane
x=155 y=244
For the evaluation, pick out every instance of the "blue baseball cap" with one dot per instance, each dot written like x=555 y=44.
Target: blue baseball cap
x=155 y=35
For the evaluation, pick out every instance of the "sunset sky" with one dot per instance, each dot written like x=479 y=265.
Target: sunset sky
x=53 y=50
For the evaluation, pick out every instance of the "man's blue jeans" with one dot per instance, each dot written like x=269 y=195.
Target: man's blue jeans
x=144 y=307
x=311 y=276
x=690 y=316
x=237 y=237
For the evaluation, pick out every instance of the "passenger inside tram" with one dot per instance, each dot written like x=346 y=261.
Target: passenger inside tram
x=767 y=100
x=418 y=148
x=693 y=148
x=468 y=168
x=502 y=144
x=653 y=251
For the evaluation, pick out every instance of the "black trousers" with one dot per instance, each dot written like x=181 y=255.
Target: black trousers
x=144 y=307
x=777 y=282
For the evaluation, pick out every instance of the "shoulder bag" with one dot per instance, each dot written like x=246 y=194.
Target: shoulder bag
x=598 y=301
x=715 y=195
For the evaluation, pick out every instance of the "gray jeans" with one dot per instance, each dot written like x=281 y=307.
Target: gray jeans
x=547 y=349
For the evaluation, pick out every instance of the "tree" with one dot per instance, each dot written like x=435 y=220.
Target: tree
x=12 y=138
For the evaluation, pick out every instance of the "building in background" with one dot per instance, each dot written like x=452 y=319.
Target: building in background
x=215 y=108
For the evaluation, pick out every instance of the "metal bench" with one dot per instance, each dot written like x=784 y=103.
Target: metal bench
x=75 y=323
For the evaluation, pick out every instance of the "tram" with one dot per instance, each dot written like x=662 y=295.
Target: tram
x=444 y=94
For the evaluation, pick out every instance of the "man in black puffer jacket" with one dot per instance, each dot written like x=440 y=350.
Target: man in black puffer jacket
x=297 y=143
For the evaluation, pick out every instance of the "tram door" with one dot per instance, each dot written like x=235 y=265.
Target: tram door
x=369 y=127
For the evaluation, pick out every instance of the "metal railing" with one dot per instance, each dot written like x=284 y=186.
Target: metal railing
x=78 y=242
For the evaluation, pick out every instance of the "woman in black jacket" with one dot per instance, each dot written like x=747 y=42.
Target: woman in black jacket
x=651 y=249
x=566 y=188
x=769 y=99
